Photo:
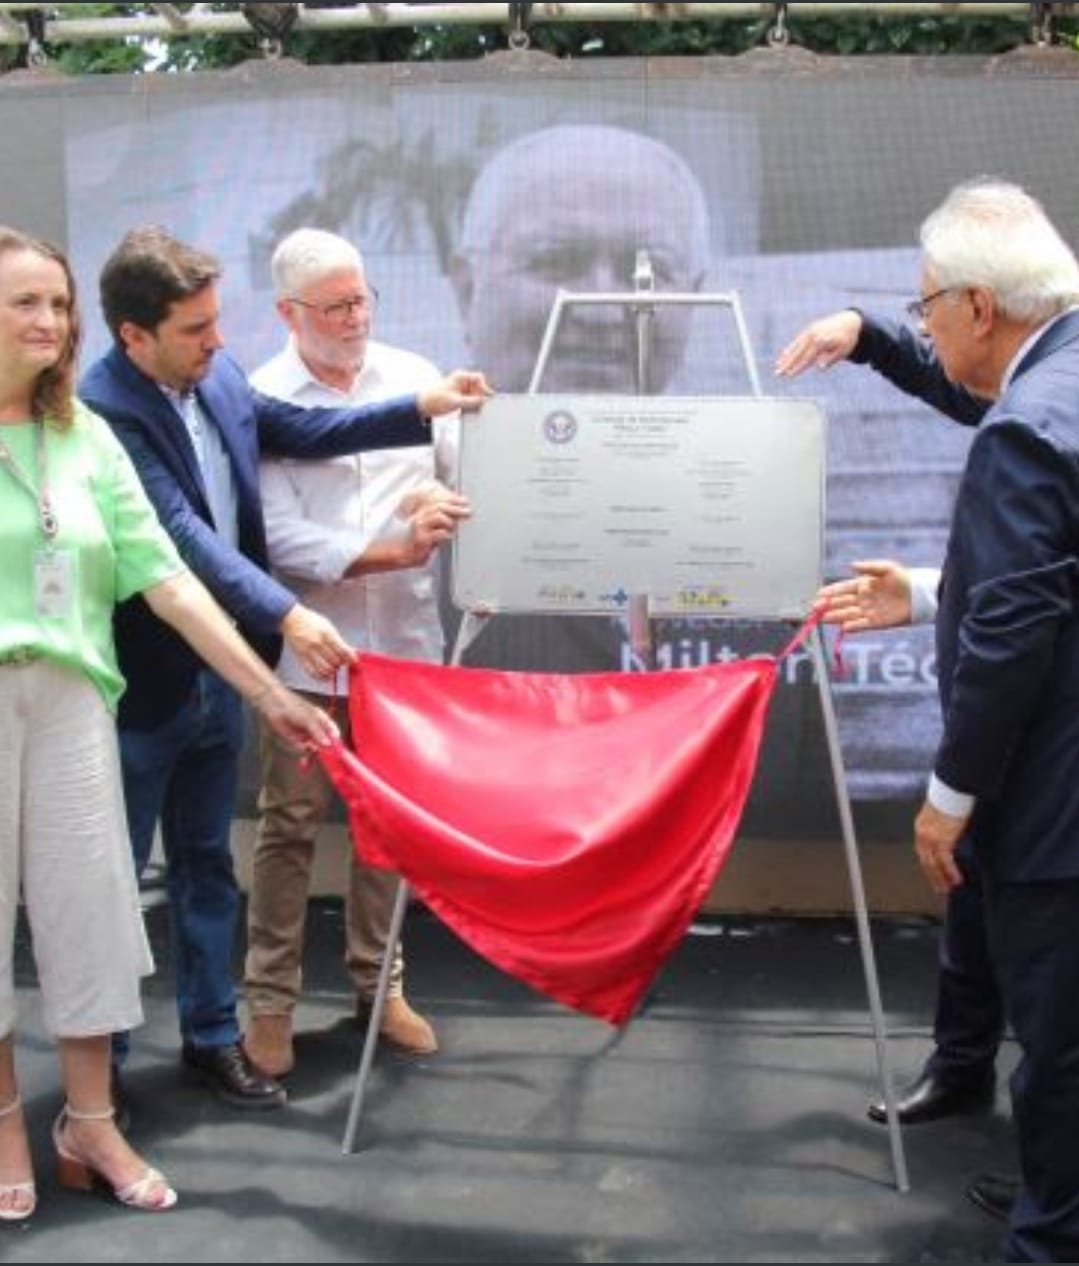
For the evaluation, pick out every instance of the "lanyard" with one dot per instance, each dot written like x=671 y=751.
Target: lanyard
x=50 y=525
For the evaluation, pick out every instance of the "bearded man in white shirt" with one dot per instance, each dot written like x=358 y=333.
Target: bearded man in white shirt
x=356 y=538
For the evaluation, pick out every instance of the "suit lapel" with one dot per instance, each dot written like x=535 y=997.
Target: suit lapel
x=1060 y=334
x=164 y=427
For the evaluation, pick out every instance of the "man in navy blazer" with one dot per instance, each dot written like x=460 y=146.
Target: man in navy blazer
x=1001 y=304
x=959 y=1076
x=194 y=429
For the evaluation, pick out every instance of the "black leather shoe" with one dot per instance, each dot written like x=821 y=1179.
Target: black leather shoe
x=995 y=1194
x=228 y=1071
x=927 y=1098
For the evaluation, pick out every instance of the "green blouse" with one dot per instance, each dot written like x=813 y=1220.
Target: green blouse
x=107 y=525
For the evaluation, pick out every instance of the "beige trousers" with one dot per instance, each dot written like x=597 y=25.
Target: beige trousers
x=64 y=844
x=295 y=798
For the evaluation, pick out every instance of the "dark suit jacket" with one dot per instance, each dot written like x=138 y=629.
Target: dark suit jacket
x=1008 y=621
x=906 y=360
x=159 y=666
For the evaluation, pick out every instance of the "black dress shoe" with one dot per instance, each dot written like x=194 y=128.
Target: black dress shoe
x=228 y=1071
x=927 y=1098
x=995 y=1194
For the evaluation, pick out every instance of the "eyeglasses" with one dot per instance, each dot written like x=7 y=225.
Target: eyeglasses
x=918 y=309
x=341 y=309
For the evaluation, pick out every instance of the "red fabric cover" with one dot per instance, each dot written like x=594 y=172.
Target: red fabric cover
x=566 y=826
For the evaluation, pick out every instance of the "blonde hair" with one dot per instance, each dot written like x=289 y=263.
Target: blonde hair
x=53 y=397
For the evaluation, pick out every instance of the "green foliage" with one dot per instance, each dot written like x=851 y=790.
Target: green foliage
x=848 y=36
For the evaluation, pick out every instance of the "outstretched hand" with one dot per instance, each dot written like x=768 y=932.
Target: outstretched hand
x=464 y=389
x=821 y=344
x=877 y=596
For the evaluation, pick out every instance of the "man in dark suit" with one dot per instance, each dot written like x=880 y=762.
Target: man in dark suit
x=1000 y=302
x=959 y=1076
x=195 y=429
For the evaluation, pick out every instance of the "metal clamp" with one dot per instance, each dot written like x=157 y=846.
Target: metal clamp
x=1041 y=23
x=271 y=23
x=518 y=37
x=36 y=53
x=778 y=35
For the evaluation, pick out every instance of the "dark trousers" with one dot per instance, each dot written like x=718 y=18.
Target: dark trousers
x=183 y=775
x=1034 y=938
x=970 y=1012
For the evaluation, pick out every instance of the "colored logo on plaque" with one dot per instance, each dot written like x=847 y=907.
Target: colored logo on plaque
x=702 y=598
x=560 y=426
x=618 y=598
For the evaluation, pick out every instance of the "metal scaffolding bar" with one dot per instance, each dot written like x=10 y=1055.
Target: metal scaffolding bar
x=163 y=21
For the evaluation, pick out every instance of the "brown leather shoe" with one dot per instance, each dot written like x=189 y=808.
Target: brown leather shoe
x=268 y=1043
x=229 y=1072
x=402 y=1028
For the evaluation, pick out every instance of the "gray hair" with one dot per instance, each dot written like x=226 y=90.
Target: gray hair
x=990 y=233
x=485 y=213
x=308 y=255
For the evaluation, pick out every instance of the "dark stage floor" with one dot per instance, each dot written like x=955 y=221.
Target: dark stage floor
x=725 y=1124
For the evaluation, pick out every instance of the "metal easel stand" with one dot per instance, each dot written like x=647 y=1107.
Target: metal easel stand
x=643 y=301
x=374 y=1023
x=861 y=913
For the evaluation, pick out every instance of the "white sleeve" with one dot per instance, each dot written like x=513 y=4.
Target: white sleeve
x=957 y=804
x=924 y=583
x=296 y=545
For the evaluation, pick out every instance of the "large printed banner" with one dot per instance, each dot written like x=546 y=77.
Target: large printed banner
x=477 y=191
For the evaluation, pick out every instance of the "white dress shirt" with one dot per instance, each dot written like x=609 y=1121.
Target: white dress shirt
x=213 y=460
x=322 y=515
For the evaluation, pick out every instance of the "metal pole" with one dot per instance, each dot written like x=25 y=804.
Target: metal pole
x=861 y=915
x=641 y=636
x=378 y=1007
x=644 y=313
x=201 y=20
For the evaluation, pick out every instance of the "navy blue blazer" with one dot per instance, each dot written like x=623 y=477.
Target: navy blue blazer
x=908 y=361
x=159 y=666
x=1008 y=621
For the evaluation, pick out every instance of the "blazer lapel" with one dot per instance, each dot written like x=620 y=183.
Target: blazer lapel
x=163 y=425
x=1060 y=334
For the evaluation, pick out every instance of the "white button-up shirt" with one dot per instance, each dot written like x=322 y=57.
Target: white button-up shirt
x=322 y=515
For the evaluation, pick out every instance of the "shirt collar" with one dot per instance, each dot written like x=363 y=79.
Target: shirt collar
x=177 y=398
x=294 y=373
x=1028 y=343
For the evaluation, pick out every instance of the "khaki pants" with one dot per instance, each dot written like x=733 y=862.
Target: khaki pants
x=295 y=798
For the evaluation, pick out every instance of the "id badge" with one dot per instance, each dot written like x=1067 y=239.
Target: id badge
x=54 y=583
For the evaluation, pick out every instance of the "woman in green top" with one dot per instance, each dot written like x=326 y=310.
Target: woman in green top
x=77 y=535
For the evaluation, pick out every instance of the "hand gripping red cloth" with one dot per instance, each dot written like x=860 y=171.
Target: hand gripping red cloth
x=566 y=826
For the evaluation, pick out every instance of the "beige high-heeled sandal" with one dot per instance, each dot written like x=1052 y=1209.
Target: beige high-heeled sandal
x=20 y=1212
x=78 y=1174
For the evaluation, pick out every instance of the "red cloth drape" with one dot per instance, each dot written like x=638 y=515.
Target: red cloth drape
x=566 y=826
